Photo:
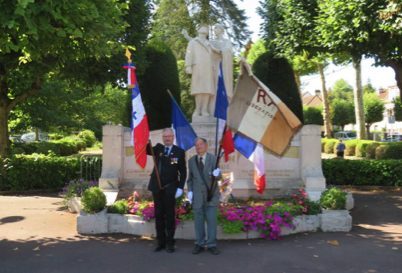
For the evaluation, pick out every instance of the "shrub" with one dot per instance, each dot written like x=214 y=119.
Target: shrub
x=361 y=147
x=120 y=207
x=350 y=147
x=76 y=187
x=330 y=146
x=363 y=172
x=93 y=200
x=88 y=137
x=370 y=149
x=389 y=151
x=32 y=172
x=63 y=147
x=333 y=198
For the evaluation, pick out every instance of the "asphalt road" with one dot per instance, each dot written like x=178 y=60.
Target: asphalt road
x=38 y=235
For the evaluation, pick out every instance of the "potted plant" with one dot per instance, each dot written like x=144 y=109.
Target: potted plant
x=334 y=215
x=72 y=193
x=93 y=218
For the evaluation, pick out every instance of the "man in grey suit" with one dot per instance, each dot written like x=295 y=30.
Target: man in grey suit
x=201 y=173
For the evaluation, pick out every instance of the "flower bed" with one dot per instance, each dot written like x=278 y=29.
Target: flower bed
x=252 y=219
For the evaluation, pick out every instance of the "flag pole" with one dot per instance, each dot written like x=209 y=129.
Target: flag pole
x=216 y=135
x=158 y=177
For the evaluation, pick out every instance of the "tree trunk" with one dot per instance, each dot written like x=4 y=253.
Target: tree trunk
x=325 y=102
x=368 y=130
x=396 y=65
x=358 y=99
x=4 y=141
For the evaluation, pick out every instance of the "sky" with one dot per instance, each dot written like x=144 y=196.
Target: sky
x=379 y=77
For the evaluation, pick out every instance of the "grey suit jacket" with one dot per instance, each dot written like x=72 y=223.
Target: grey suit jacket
x=196 y=184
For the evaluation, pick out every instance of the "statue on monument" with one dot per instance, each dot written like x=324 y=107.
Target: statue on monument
x=202 y=62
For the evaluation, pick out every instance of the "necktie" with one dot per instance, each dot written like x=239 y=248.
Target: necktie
x=201 y=164
x=166 y=151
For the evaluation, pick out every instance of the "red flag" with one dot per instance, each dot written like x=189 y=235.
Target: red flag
x=227 y=143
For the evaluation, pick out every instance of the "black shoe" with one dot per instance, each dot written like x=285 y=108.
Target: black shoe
x=197 y=249
x=159 y=248
x=170 y=249
x=214 y=251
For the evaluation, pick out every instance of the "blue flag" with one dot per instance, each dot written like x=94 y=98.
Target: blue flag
x=185 y=135
x=221 y=104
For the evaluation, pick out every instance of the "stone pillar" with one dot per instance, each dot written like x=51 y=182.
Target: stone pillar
x=112 y=161
x=311 y=167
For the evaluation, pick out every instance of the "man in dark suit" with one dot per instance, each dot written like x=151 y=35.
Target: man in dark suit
x=201 y=174
x=171 y=172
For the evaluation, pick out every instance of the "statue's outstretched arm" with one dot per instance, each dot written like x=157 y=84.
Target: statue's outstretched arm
x=185 y=34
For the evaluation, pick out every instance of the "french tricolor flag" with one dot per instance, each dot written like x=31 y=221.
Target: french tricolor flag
x=139 y=120
x=221 y=109
x=254 y=152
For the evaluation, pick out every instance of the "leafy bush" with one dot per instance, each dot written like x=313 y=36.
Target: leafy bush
x=363 y=172
x=330 y=146
x=76 y=187
x=333 y=198
x=62 y=147
x=93 y=200
x=361 y=147
x=88 y=137
x=36 y=171
x=313 y=207
x=350 y=147
x=120 y=207
x=370 y=149
x=389 y=151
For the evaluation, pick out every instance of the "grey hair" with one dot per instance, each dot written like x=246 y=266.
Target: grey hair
x=168 y=129
x=202 y=139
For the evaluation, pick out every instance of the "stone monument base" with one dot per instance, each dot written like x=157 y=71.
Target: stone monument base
x=299 y=167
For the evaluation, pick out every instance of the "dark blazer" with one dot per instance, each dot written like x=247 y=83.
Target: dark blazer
x=172 y=169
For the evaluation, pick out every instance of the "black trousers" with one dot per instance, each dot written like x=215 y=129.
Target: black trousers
x=165 y=217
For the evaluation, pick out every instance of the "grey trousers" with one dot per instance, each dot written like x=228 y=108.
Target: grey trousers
x=208 y=214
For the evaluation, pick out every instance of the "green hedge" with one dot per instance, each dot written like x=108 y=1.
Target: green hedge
x=361 y=147
x=365 y=148
x=36 y=171
x=62 y=147
x=350 y=147
x=389 y=151
x=363 y=172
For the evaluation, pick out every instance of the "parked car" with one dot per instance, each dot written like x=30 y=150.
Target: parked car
x=393 y=138
x=345 y=135
x=30 y=137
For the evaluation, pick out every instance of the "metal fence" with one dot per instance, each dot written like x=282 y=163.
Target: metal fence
x=90 y=167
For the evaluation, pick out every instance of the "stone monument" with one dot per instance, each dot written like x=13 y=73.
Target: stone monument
x=299 y=167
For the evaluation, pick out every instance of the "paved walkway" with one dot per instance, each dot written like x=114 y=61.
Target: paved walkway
x=38 y=235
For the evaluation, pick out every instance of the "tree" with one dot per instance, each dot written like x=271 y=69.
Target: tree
x=258 y=48
x=37 y=41
x=341 y=90
x=168 y=28
x=187 y=100
x=277 y=75
x=373 y=110
x=342 y=112
x=398 y=109
x=224 y=12
x=368 y=88
x=161 y=74
x=289 y=30
x=313 y=115
x=387 y=26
